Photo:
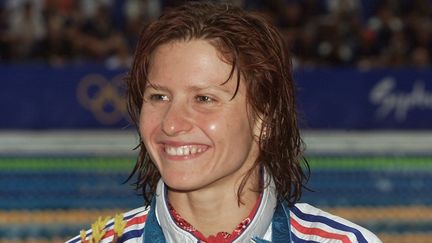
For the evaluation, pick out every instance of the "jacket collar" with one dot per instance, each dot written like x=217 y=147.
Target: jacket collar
x=258 y=227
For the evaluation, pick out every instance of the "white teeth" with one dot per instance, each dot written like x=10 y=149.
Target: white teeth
x=170 y=150
x=179 y=151
x=183 y=150
x=186 y=151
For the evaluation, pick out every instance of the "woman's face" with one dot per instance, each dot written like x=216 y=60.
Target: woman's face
x=197 y=134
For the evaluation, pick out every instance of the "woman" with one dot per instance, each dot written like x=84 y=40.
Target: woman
x=212 y=94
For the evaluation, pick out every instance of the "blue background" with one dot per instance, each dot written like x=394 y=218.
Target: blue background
x=42 y=97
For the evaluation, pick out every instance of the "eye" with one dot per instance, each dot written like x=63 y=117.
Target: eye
x=158 y=97
x=204 y=99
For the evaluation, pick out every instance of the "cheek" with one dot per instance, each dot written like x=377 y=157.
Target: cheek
x=213 y=127
x=234 y=129
x=148 y=127
x=149 y=121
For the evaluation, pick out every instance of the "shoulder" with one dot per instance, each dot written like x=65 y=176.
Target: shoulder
x=311 y=223
x=124 y=227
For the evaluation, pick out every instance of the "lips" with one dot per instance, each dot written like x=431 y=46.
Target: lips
x=185 y=150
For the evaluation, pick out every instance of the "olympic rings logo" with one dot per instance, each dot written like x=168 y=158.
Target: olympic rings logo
x=105 y=99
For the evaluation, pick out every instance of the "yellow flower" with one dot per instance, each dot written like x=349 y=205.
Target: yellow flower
x=83 y=235
x=98 y=229
x=119 y=224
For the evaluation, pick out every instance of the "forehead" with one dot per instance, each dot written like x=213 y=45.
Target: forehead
x=195 y=62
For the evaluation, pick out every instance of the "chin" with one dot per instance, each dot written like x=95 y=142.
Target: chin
x=188 y=184
x=182 y=187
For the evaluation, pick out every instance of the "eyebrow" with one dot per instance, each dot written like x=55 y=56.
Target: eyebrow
x=192 y=87
x=155 y=86
x=218 y=87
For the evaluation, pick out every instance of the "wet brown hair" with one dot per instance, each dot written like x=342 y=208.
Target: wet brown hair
x=258 y=56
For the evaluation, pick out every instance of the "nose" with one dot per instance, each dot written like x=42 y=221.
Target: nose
x=176 y=120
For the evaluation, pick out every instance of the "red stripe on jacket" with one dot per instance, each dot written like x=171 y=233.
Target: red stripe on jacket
x=319 y=232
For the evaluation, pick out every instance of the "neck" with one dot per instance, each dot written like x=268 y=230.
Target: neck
x=217 y=209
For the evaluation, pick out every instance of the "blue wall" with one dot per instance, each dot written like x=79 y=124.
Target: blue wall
x=91 y=96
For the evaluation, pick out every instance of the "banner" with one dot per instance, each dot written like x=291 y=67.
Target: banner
x=91 y=96
x=373 y=99
x=78 y=96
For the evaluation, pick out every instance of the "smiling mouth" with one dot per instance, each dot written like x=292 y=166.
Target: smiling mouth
x=184 y=150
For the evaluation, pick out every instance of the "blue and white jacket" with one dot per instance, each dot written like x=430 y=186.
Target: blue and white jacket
x=274 y=222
